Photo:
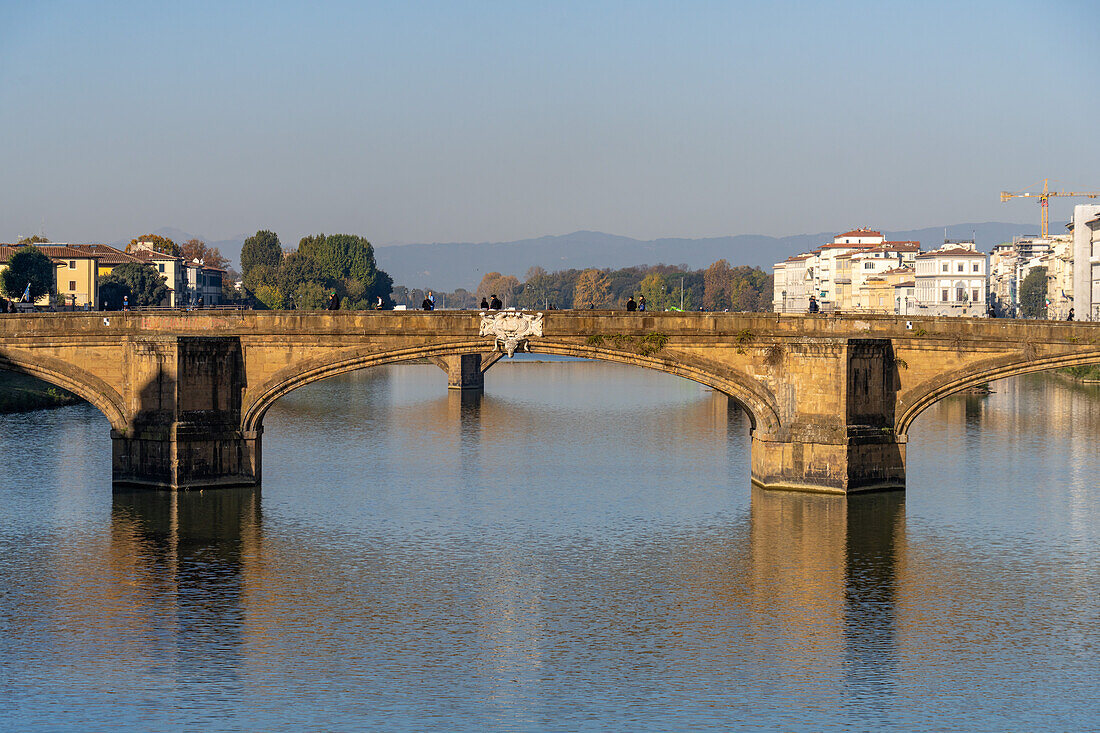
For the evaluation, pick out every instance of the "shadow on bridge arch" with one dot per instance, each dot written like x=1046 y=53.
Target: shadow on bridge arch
x=920 y=398
x=84 y=385
x=753 y=397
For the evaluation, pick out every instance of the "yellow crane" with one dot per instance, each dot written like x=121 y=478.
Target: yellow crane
x=1044 y=200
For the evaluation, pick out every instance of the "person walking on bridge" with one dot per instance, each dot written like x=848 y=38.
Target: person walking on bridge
x=334 y=302
x=484 y=303
x=641 y=304
x=1070 y=317
x=814 y=307
x=427 y=304
x=631 y=306
x=495 y=303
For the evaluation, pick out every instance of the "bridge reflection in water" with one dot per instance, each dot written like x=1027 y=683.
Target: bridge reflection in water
x=804 y=589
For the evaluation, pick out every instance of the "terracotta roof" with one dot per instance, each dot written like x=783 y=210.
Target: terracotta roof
x=837 y=245
x=861 y=233
x=107 y=255
x=53 y=251
x=906 y=284
x=797 y=258
x=951 y=253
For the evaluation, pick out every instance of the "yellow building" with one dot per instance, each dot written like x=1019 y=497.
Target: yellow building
x=108 y=257
x=77 y=274
x=878 y=293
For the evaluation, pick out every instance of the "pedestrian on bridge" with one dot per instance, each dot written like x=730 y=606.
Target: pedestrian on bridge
x=1070 y=318
x=631 y=306
x=495 y=303
x=427 y=305
x=641 y=304
x=484 y=303
x=814 y=307
x=334 y=302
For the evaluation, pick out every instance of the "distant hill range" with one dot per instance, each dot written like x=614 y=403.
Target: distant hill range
x=446 y=266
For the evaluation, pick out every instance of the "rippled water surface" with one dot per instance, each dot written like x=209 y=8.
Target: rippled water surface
x=578 y=549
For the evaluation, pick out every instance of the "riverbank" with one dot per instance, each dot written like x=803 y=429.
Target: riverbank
x=1083 y=373
x=22 y=393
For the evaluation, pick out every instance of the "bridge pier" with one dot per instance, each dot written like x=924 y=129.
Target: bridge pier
x=466 y=371
x=185 y=426
x=839 y=437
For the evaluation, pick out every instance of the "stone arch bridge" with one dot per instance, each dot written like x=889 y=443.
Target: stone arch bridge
x=830 y=399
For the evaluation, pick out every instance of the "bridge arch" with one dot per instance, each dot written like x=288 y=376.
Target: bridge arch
x=84 y=385
x=923 y=396
x=756 y=399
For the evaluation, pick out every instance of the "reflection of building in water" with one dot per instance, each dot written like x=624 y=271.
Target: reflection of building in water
x=824 y=574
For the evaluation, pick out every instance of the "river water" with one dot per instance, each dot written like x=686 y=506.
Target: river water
x=579 y=549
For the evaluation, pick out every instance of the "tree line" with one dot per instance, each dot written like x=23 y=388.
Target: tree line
x=306 y=278
x=719 y=287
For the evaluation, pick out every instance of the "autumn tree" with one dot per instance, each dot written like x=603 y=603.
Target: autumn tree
x=196 y=249
x=29 y=266
x=716 y=286
x=157 y=242
x=593 y=290
x=503 y=286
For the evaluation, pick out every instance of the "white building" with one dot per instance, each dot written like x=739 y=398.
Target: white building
x=204 y=284
x=791 y=285
x=951 y=281
x=1085 y=228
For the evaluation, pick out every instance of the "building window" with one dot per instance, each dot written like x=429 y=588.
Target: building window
x=868 y=265
x=946 y=267
x=974 y=295
x=160 y=266
x=72 y=285
x=977 y=267
x=72 y=264
x=943 y=296
x=962 y=267
x=960 y=294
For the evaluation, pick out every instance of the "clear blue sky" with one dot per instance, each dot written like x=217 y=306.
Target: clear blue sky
x=454 y=121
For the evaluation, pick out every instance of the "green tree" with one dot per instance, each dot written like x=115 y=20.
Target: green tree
x=653 y=288
x=157 y=242
x=1033 y=294
x=261 y=250
x=33 y=239
x=146 y=285
x=112 y=291
x=311 y=295
x=593 y=290
x=298 y=268
x=29 y=265
x=269 y=297
x=344 y=258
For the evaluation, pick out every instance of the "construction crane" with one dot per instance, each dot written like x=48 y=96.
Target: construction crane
x=1044 y=200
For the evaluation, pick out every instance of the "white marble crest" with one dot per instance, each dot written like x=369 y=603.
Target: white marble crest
x=511 y=329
